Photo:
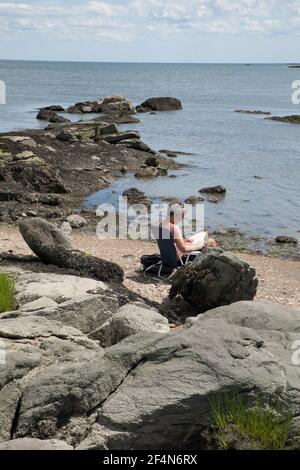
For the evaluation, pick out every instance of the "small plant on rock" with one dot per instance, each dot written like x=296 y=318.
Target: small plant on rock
x=240 y=425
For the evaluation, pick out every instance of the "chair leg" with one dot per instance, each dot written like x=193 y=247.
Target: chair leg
x=153 y=266
x=159 y=276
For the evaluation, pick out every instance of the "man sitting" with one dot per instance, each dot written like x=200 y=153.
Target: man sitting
x=198 y=242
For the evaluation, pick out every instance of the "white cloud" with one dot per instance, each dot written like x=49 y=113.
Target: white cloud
x=15 y=7
x=105 y=9
x=125 y=21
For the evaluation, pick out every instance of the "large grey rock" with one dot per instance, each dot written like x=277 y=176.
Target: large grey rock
x=244 y=348
x=151 y=390
x=31 y=344
x=215 y=279
x=130 y=320
x=52 y=247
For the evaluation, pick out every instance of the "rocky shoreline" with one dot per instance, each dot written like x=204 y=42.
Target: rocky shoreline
x=87 y=363
x=48 y=173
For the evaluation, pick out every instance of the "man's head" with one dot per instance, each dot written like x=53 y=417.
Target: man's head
x=176 y=213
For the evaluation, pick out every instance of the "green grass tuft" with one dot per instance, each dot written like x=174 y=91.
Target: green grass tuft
x=7 y=293
x=259 y=427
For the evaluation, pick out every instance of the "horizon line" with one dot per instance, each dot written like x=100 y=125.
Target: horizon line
x=148 y=62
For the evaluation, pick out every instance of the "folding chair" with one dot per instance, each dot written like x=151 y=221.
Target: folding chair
x=170 y=256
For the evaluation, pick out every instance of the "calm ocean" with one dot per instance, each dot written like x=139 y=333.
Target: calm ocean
x=228 y=148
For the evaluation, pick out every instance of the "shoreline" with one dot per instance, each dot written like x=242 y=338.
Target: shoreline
x=51 y=172
x=279 y=279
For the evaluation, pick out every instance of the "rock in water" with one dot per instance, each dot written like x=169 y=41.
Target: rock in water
x=248 y=111
x=286 y=239
x=293 y=119
x=56 y=118
x=213 y=190
x=159 y=104
x=135 y=196
x=214 y=280
x=52 y=247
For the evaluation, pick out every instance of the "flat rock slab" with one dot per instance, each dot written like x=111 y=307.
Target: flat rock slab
x=33 y=286
x=28 y=443
x=31 y=327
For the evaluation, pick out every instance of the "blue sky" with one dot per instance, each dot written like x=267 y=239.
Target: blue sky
x=151 y=30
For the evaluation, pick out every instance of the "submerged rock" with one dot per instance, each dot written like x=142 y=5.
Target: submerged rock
x=135 y=196
x=150 y=172
x=52 y=247
x=247 y=111
x=159 y=104
x=214 y=194
x=147 y=172
x=214 y=280
x=194 y=200
x=286 y=239
x=293 y=119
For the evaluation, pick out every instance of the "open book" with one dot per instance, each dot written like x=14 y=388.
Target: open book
x=199 y=240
